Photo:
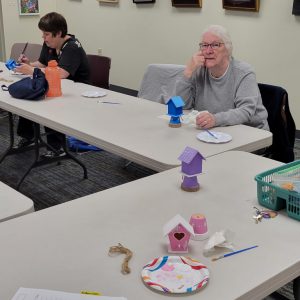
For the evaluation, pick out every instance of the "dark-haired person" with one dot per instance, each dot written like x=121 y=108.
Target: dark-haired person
x=224 y=88
x=72 y=60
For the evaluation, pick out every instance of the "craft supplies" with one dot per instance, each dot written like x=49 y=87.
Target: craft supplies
x=24 y=49
x=274 y=189
x=214 y=137
x=11 y=64
x=94 y=93
x=233 y=253
x=22 y=53
x=211 y=134
x=191 y=166
x=198 y=221
x=108 y=102
x=121 y=249
x=179 y=232
x=175 y=275
x=175 y=111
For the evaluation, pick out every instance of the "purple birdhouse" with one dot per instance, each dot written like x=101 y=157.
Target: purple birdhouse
x=191 y=166
x=179 y=232
x=191 y=161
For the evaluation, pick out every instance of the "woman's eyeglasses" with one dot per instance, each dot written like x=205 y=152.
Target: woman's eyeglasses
x=214 y=46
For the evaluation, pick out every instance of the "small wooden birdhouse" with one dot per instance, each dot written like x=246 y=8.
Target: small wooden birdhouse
x=191 y=161
x=179 y=232
x=191 y=166
x=175 y=107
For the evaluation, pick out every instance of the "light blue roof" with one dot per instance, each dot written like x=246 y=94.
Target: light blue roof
x=177 y=100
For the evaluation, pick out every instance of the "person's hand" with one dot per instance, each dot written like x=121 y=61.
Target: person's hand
x=197 y=60
x=24 y=69
x=23 y=59
x=205 y=120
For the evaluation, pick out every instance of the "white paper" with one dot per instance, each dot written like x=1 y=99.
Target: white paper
x=39 y=294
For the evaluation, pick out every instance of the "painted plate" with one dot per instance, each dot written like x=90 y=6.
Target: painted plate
x=175 y=274
x=94 y=94
x=219 y=137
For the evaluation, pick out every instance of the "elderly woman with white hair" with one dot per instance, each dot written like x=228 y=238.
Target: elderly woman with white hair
x=223 y=88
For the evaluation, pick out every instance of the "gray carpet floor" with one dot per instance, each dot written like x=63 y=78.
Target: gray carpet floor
x=54 y=184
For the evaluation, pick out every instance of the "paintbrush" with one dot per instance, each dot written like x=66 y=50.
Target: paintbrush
x=210 y=133
x=233 y=253
x=22 y=53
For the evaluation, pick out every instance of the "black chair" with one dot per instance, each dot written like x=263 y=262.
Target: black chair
x=281 y=122
x=99 y=70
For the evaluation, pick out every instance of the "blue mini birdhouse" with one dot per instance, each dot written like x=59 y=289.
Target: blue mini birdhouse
x=191 y=166
x=175 y=110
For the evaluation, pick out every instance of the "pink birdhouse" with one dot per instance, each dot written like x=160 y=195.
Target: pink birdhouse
x=179 y=232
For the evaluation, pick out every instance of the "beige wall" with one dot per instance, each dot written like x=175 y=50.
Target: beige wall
x=136 y=35
x=22 y=28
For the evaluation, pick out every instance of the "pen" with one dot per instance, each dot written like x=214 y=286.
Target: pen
x=210 y=133
x=233 y=253
x=90 y=293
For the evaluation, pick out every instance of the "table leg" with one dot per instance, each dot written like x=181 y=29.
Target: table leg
x=296 y=288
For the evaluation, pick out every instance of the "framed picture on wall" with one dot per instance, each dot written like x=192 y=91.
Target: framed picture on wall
x=28 y=7
x=143 y=1
x=187 y=3
x=251 y=5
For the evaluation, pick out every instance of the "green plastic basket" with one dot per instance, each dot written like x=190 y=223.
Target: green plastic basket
x=276 y=198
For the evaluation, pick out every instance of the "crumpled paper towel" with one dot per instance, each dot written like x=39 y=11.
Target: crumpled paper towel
x=220 y=239
x=190 y=117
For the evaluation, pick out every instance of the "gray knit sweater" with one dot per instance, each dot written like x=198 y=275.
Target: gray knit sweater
x=233 y=99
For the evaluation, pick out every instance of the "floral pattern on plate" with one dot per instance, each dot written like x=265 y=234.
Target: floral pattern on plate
x=175 y=274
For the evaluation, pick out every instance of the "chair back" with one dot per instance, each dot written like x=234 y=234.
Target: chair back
x=281 y=122
x=99 y=70
x=159 y=82
x=32 y=51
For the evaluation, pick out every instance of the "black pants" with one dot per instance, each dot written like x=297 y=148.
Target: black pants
x=26 y=130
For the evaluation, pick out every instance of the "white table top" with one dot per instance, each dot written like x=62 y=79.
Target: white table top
x=13 y=204
x=132 y=129
x=65 y=247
